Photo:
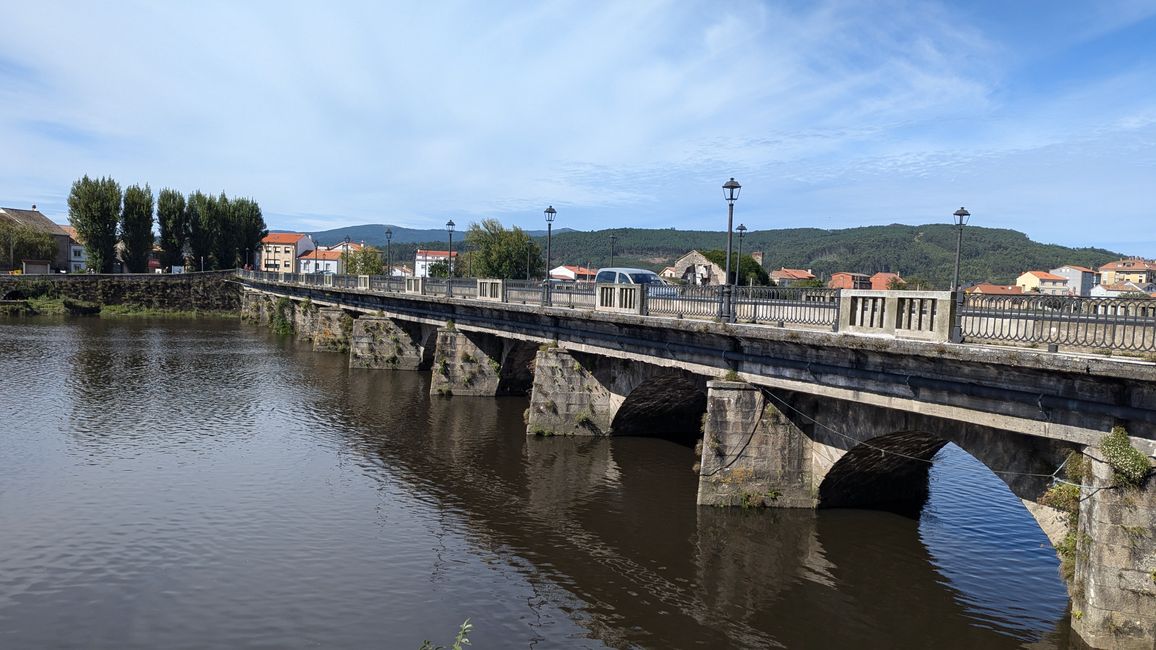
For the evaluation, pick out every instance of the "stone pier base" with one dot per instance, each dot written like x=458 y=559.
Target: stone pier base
x=462 y=367
x=378 y=342
x=751 y=454
x=567 y=399
x=1114 y=586
x=332 y=329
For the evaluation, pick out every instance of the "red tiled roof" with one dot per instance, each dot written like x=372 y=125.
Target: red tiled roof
x=794 y=274
x=424 y=253
x=1044 y=275
x=322 y=255
x=282 y=238
x=996 y=289
x=1129 y=265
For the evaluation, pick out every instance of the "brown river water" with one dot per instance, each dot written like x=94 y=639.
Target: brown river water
x=207 y=484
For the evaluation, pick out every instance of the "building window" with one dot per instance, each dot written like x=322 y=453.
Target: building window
x=286 y=263
x=76 y=252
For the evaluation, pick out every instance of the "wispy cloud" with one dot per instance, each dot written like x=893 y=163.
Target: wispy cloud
x=832 y=113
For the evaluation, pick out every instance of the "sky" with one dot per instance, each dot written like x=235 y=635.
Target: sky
x=1036 y=116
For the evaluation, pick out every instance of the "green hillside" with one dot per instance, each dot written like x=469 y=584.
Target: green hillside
x=923 y=252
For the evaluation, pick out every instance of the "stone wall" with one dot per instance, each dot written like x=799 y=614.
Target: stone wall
x=379 y=342
x=463 y=367
x=1114 y=586
x=181 y=292
x=567 y=398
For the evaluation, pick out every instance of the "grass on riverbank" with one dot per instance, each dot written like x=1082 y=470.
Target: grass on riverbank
x=55 y=307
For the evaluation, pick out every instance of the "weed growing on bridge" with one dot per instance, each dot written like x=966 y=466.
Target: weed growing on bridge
x=281 y=323
x=1065 y=497
x=462 y=639
x=1129 y=466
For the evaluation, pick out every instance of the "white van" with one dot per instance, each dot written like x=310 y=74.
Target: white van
x=623 y=275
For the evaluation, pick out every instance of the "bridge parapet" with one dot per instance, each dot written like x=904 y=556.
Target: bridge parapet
x=923 y=315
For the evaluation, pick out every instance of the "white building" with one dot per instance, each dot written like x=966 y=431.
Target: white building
x=569 y=272
x=1081 y=279
x=280 y=250
x=321 y=260
x=424 y=259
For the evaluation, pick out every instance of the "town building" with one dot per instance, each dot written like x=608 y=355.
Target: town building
x=883 y=281
x=321 y=260
x=785 y=277
x=847 y=280
x=280 y=251
x=1134 y=269
x=989 y=289
x=1081 y=279
x=35 y=220
x=576 y=273
x=695 y=268
x=1122 y=288
x=423 y=259
x=1043 y=282
x=78 y=255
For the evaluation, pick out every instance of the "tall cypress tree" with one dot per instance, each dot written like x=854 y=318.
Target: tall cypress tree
x=202 y=231
x=136 y=227
x=250 y=227
x=174 y=227
x=93 y=209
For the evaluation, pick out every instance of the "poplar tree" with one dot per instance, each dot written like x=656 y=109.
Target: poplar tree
x=174 y=226
x=93 y=209
x=250 y=227
x=136 y=228
x=202 y=230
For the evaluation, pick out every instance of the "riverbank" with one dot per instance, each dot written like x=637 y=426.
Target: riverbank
x=195 y=295
x=66 y=307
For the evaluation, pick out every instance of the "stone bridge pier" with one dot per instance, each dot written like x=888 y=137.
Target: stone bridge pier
x=583 y=394
x=475 y=363
x=391 y=344
x=786 y=450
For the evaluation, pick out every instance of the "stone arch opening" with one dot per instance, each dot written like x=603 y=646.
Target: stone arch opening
x=14 y=294
x=665 y=406
x=888 y=472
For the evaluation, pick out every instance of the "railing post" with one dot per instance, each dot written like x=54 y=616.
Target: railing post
x=956 y=334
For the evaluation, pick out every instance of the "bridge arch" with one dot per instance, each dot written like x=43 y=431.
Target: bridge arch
x=665 y=405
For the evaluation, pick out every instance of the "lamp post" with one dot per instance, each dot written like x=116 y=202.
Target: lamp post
x=450 y=260
x=612 y=240
x=388 y=256
x=961 y=216
x=742 y=230
x=550 y=213
x=314 y=245
x=731 y=190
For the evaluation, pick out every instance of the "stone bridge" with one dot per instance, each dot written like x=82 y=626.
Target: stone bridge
x=791 y=418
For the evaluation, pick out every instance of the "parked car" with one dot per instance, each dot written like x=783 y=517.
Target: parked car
x=656 y=286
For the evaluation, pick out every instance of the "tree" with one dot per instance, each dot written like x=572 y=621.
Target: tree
x=174 y=226
x=202 y=230
x=226 y=235
x=250 y=226
x=365 y=261
x=93 y=209
x=439 y=269
x=896 y=283
x=21 y=242
x=501 y=253
x=136 y=228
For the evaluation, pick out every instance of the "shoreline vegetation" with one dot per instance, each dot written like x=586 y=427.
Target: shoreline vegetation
x=43 y=306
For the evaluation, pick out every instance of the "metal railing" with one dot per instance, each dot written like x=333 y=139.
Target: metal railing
x=1125 y=324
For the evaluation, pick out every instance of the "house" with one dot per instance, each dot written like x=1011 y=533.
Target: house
x=847 y=280
x=78 y=255
x=785 y=277
x=989 y=289
x=1081 y=279
x=343 y=246
x=1134 y=269
x=576 y=273
x=424 y=259
x=883 y=281
x=280 y=251
x=1043 y=282
x=35 y=220
x=695 y=268
x=1121 y=288
x=400 y=271
x=321 y=260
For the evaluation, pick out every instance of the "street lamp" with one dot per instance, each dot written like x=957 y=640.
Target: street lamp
x=742 y=230
x=731 y=190
x=550 y=213
x=388 y=256
x=314 y=245
x=612 y=240
x=450 y=229
x=961 y=215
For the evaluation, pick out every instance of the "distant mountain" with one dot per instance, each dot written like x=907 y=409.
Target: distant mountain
x=926 y=253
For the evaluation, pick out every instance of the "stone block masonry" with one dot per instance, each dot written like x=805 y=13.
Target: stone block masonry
x=332 y=330
x=378 y=342
x=216 y=291
x=567 y=398
x=751 y=454
x=462 y=367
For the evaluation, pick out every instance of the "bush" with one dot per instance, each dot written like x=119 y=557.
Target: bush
x=1129 y=466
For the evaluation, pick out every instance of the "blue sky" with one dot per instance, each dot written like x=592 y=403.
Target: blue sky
x=1036 y=116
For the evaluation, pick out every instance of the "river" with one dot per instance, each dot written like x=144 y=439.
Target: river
x=206 y=484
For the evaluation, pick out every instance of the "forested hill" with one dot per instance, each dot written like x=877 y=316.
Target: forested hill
x=916 y=252
x=923 y=252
